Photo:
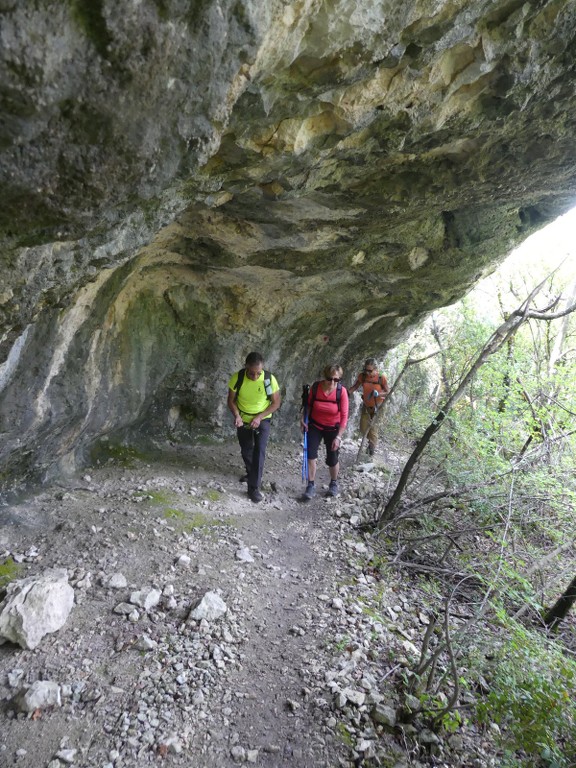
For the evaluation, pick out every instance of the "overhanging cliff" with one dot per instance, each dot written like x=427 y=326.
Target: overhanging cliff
x=182 y=182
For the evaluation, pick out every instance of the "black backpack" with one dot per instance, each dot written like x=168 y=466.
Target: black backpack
x=267 y=382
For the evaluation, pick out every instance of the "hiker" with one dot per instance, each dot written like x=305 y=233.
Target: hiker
x=374 y=390
x=327 y=415
x=253 y=396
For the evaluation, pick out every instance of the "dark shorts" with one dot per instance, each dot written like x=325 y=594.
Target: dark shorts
x=315 y=436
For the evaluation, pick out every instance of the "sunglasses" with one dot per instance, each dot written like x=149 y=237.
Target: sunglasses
x=369 y=370
x=335 y=380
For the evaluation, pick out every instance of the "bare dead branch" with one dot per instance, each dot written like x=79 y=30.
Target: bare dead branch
x=536 y=315
x=505 y=331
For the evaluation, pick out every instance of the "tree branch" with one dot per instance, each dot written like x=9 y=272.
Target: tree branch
x=505 y=331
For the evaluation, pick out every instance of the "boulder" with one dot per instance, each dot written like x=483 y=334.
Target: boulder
x=34 y=607
x=210 y=607
x=41 y=694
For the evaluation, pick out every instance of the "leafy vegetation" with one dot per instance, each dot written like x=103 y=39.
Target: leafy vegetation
x=9 y=570
x=532 y=697
x=488 y=512
x=117 y=453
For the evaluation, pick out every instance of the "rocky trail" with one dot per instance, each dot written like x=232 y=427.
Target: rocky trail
x=207 y=630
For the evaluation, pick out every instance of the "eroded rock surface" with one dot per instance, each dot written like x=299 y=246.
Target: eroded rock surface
x=183 y=182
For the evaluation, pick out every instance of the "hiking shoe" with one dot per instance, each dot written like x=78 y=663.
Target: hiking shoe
x=255 y=496
x=371 y=450
x=310 y=492
x=332 y=488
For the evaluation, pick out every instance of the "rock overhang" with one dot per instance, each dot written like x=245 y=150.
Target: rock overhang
x=183 y=182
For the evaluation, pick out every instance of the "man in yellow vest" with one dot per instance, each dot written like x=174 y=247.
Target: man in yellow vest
x=253 y=396
x=374 y=390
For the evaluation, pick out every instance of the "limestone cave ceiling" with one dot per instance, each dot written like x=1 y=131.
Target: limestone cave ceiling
x=183 y=181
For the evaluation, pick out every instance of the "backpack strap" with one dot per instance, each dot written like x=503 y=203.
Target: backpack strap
x=267 y=383
x=314 y=390
x=305 y=396
x=239 y=382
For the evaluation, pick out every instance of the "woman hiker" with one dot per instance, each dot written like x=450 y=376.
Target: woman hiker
x=374 y=389
x=326 y=419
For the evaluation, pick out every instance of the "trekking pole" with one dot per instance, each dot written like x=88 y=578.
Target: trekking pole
x=305 y=391
x=370 y=423
x=305 y=457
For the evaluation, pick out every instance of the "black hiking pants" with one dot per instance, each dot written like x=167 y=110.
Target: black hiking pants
x=253 y=444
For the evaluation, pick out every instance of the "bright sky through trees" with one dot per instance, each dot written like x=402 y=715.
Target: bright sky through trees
x=538 y=255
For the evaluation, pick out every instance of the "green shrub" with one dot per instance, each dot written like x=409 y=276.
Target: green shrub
x=532 y=699
x=9 y=570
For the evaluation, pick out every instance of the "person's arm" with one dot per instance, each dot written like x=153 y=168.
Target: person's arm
x=273 y=405
x=233 y=408
x=384 y=385
x=354 y=386
x=336 y=443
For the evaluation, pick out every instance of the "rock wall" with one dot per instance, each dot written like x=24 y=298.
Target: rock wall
x=183 y=182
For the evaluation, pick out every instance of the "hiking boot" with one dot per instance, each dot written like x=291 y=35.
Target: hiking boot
x=255 y=496
x=332 y=488
x=243 y=479
x=371 y=450
x=310 y=492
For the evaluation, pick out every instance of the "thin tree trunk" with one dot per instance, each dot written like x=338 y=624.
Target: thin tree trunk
x=445 y=381
x=498 y=338
x=558 y=346
x=560 y=609
x=506 y=380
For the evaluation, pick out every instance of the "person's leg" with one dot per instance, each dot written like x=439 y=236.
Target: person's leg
x=313 y=439
x=312 y=464
x=367 y=429
x=333 y=462
x=364 y=420
x=373 y=436
x=261 y=436
x=246 y=440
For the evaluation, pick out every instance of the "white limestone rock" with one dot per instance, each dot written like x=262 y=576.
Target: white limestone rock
x=243 y=554
x=116 y=581
x=145 y=643
x=384 y=715
x=355 y=697
x=34 y=607
x=210 y=607
x=146 y=598
x=41 y=694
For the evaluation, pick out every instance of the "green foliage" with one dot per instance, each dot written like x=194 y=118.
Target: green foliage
x=9 y=570
x=532 y=698
x=185 y=521
x=507 y=440
x=342 y=643
x=157 y=498
x=89 y=16
x=344 y=733
x=174 y=514
x=117 y=453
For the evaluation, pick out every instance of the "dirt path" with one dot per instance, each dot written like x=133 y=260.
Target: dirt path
x=249 y=687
